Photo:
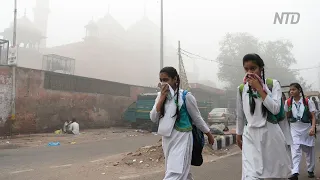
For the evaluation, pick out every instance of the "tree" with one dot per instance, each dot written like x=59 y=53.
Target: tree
x=277 y=56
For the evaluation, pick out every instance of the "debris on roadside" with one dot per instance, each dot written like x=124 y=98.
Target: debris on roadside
x=141 y=131
x=54 y=144
x=217 y=129
x=145 y=156
x=59 y=131
x=119 y=131
x=151 y=156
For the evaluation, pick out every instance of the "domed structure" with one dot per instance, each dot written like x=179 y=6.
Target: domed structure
x=92 y=30
x=27 y=33
x=145 y=33
x=106 y=28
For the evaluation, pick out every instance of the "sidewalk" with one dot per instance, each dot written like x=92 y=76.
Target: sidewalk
x=92 y=135
x=86 y=136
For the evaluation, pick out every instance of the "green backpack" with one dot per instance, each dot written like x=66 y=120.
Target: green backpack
x=274 y=119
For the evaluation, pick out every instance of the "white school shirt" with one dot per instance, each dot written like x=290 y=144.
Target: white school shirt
x=272 y=102
x=300 y=130
x=166 y=123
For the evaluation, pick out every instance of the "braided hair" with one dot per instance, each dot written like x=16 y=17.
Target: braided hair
x=258 y=61
x=298 y=86
x=172 y=73
x=283 y=97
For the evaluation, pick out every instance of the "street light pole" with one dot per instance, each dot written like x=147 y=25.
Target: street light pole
x=14 y=44
x=14 y=40
x=161 y=36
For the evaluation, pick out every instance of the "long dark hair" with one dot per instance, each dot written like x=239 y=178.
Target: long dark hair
x=283 y=97
x=298 y=86
x=172 y=73
x=257 y=60
x=315 y=102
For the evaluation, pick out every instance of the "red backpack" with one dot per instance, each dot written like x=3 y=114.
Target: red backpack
x=289 y=103
x=305 y=103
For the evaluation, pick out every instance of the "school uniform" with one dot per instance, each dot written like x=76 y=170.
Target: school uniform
x=302 y=142
x=264 y=145
x=177 y=140
x=285 y=127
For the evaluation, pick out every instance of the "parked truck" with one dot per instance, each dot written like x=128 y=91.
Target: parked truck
x=138 y=113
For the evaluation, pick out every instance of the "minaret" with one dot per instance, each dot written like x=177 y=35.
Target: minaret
x=41 y=13
x=145 y=9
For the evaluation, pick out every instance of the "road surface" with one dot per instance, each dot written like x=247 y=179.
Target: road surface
x=226 y=168
x=16 y=161
x=82 y=162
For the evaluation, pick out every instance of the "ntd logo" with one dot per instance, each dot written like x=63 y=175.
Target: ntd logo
x=295 y=17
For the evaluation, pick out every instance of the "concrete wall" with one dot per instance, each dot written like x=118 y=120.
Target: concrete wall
x=44 y=100
x=5 y=94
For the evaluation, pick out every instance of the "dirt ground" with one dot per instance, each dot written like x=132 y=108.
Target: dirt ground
x=152 y=156
x=36 y=140
x=144 y=160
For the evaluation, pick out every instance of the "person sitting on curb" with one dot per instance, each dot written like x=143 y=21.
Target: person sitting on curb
x=73 y=127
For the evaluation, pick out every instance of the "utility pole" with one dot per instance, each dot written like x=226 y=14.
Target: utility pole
x=161 y=36
x=184 y=84
x=319 y=77
x=155 y=127
x=179 y=54
x=14 y=44
x=14 y=40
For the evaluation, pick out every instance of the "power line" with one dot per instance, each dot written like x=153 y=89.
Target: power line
x=202 y=58
x=187 y=53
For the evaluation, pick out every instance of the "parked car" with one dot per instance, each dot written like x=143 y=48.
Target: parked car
x=222 y=115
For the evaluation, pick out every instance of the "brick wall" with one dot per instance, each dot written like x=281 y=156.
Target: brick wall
x=5 y=94
x=44 y=100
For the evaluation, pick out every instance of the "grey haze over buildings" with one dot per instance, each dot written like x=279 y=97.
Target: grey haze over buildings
x=199 y=25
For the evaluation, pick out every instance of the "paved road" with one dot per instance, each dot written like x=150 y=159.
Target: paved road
x=228 y=168
x=74 y=162
x=30 y=159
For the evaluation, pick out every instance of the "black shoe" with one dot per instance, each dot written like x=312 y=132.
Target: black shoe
x=311 y=174
x=294 y=176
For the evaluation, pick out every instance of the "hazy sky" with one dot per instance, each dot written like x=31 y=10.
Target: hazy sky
x=200 y=25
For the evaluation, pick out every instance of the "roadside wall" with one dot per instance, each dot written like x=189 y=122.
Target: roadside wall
x=5 y=94
x=45 y=100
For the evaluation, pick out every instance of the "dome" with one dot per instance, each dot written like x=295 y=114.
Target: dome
x=145 y=33
x=109 y=27
x=26 y=31
x=91 y=25
x=144 y=26
x=25 y=24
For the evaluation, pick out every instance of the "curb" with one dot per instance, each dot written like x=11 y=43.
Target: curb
x=224 y=141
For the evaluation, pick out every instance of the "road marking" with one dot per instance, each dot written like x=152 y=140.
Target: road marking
x=129 y=177
x=26 y=170
x=66 y=165
x=225 y=156
x=96 y=160
x=137 y=175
